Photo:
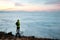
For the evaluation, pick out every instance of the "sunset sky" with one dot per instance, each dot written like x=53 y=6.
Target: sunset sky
x=29 y=5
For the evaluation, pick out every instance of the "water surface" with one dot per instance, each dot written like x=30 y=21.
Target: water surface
x=38 y=24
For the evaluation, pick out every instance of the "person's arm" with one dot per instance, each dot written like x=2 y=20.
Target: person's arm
x=19 y=24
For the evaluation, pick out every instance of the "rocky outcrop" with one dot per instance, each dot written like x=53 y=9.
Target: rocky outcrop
x=10 y=36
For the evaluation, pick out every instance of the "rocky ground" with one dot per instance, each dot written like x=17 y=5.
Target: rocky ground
x=10 y=36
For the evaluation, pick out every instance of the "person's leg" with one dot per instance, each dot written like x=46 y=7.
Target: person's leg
x=17 y=32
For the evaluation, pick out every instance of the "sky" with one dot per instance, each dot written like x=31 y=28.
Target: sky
x=29 y=5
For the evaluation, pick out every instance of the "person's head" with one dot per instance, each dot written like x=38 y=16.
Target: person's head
x=18 y=20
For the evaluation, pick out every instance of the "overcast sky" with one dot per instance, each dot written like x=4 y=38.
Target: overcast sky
x=29 y=5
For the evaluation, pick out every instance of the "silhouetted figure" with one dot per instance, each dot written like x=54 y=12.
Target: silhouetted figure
x=18 y=28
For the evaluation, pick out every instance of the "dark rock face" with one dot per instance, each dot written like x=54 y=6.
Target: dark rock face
x=2 y=34
x=10 y=36
x=6 y=35
x=10 y=33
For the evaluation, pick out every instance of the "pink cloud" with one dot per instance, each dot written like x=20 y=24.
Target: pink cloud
x=34 y=8
x=28 y=7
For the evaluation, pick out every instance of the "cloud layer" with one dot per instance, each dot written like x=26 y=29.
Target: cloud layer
x=53 y=2
x=29 y=5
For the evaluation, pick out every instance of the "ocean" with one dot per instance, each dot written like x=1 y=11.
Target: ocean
x=38 y=24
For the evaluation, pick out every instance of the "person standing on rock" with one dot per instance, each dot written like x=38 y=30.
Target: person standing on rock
x=18 y=28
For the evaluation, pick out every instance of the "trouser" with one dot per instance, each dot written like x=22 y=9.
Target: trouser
x=18 y=29
x=18 y=32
